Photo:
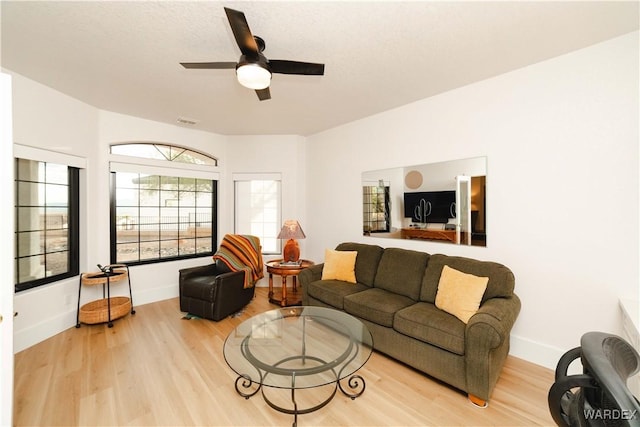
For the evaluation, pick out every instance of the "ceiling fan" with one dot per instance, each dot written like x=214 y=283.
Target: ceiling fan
x=253 y=69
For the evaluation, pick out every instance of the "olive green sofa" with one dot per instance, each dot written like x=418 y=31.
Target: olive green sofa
x=395 y=297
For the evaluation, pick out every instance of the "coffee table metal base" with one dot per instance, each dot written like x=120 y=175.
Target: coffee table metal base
x=307 y=352
x=244 y=382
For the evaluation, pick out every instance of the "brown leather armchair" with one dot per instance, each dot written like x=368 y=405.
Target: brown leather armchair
x=213 y=291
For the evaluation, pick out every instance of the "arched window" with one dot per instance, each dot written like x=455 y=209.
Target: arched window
x=171 y=153
x=162 y=213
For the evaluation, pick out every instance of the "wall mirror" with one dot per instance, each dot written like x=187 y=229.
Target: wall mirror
x=441 y=202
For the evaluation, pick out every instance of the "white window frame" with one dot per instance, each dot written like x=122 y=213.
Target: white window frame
x=46 y=156
x=271 y=245
x=121 y=163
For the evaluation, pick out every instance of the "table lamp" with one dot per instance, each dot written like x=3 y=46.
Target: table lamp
x=291 y=230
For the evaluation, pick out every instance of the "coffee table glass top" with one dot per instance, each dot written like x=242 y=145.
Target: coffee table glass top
x=313 y=346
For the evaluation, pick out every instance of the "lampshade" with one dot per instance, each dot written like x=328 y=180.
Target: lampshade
x=253 y=75
x=291 y=230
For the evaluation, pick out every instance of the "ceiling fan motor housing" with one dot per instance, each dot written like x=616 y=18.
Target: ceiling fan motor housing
x=253 y=71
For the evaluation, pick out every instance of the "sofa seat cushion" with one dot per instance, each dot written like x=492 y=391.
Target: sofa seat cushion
x=332 y=292
x=376 y=305
x=425 y=322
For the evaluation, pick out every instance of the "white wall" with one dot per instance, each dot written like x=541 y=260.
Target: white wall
x=561 y=140
x=283 y=154
x=46 y=119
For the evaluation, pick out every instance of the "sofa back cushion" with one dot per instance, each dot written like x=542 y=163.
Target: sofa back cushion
x=366 y=261
x=401 y=271
x=501 y=279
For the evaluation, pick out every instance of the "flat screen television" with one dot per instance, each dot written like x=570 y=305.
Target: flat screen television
x=430 y=206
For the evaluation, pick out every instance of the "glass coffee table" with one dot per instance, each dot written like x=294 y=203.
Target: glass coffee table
x=298 y=348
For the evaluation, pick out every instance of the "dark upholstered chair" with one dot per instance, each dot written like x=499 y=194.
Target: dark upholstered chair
x=599 y=396
x=213 y=291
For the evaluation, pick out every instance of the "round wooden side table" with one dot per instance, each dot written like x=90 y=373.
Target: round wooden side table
x=285 y=270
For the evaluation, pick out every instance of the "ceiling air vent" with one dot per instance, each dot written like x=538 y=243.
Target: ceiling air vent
x=186 y=121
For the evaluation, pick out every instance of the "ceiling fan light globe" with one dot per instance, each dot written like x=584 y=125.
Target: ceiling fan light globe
x=253 y=76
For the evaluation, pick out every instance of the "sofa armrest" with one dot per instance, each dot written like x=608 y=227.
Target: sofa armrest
x=487 y=343
x=492 y=323
x=306 y=276
x=311 y=274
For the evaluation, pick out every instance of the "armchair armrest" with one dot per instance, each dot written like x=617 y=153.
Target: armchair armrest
x=233 y=280
x=212 y=274
x=230 y=294
x=203 y=270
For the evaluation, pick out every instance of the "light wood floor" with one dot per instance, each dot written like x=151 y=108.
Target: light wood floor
x=155 y=368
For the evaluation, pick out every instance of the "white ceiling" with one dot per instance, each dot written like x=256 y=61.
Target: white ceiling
x=124 y=56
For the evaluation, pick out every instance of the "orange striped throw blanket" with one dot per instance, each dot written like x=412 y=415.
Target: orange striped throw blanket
x=242 y=252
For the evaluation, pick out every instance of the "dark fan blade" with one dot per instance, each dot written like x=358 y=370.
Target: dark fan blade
x=295 y=67
x=241 y=32
x=263 y=94
x=209 y=65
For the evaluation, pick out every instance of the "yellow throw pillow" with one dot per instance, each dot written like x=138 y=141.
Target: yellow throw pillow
x=339 y=265
x=460 y=293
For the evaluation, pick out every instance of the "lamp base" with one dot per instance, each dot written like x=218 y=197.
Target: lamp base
x=291 y=251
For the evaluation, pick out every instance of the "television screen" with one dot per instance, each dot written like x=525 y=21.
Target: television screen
x=430 y=206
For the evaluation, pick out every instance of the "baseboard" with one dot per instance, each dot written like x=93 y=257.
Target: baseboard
x=535 y=352
x=49 y=327
x=156 y=294
x=32 y=335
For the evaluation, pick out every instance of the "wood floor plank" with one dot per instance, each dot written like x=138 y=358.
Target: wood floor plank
x=156 y=368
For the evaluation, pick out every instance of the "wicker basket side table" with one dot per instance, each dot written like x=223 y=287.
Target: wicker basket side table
x=108 y=308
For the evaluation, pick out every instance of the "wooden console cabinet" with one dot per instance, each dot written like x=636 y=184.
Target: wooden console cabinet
x=428 y=234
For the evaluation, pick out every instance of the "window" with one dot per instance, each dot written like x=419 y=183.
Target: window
x=171 y=153
x=162 y=213
x=161 y=218
x=47 y=220
x=257 y=209
x=376 y=209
